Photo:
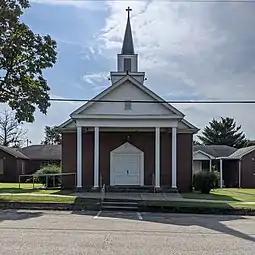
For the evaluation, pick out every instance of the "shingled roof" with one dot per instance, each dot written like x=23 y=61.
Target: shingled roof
x=43 y=152
x=215 y=150
x=13 y=151
x=238 y=154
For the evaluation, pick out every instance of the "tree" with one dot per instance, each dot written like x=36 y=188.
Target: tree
x=23 y=57
x=52 y=135
x=11 y=131
x=223 y=132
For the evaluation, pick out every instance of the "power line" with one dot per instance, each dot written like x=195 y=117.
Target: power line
x=157 y=102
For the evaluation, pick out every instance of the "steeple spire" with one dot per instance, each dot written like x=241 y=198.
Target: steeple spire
x=128 y=46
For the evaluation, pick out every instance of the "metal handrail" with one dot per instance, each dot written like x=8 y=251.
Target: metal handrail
x=102 y=194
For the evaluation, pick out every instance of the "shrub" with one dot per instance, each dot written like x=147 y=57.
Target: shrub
x=49 y=181
x=204 y=181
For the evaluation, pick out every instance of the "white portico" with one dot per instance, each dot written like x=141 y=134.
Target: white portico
x=132 y=131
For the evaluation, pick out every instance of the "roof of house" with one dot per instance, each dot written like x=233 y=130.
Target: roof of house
x=45 y=152
x=215 y=150
x=13 y=151
x=238 y=154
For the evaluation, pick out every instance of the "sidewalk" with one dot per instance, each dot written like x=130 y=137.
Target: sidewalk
x=133 y=196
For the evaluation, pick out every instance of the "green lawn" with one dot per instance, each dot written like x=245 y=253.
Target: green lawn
x=235 y=195
x=28 y=188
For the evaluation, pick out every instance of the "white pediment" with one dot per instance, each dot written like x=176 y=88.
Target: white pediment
x=127 y=89
x=126 y=148
x=200 y=155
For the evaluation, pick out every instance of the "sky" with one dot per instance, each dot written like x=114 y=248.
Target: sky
x=189 y=51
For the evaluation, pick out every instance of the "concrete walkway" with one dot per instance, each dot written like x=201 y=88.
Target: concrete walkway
x=133 y=196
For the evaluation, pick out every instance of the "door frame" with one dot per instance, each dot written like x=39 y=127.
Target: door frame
x=127 y=149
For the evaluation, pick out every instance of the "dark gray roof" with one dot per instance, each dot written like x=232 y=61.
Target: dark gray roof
x=13 y=151
x=215 y=150
x=45 y=152
x=242 y=152
x=128 y=46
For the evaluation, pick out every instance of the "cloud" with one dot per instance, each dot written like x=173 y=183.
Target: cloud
x=192 y=50
x=98 y=81
x=91 y=5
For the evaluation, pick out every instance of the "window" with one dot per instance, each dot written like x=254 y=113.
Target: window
x=1 y=166
x=127 y=105
x=127 y=64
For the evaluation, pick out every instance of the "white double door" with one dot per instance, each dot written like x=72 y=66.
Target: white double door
x=126 y=169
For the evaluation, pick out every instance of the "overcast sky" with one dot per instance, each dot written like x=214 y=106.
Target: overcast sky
x=188 y=51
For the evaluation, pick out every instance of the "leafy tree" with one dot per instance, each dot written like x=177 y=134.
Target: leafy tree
x=52 y=135
x=223 y=132
x=23 y=57
x=11 y=131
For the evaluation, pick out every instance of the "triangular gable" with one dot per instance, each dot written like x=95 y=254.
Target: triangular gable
x=101 y=95
x=67 y=124
x=204 y=153
x=126 y=148
x=184 y=124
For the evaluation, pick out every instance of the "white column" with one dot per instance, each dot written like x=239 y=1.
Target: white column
x=174 y=158
x=96 y=158
x=79 y=158
x=221 y=174
x=157 y=157
x=210 y=167
x=239 y=173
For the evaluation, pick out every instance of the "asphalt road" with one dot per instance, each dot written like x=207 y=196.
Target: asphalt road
x=41 y=232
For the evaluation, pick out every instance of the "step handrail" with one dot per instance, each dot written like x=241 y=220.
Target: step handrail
x=102 y=194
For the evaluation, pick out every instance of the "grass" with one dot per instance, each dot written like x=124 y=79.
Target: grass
x=232 y=195
x=235 y=195
x=28 y=188
x=37 y=199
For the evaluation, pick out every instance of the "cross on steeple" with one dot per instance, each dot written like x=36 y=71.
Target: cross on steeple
x=128 y=10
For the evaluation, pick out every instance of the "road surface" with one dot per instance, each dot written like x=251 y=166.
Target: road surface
x=50 y=232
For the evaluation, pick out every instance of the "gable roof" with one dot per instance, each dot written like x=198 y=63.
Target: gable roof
x=116 y=85
x=238 y=154
x=204 y=153
x=13 y=151
x=43 y=152
x=215 y=150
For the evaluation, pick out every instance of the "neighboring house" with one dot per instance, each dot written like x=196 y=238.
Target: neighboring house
x=15 y=162
x=204 y=156
x=41 y=155
x=126 y=142
x=12 y=164
x=236 y=166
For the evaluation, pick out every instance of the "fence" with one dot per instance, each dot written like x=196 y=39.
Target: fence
x=36 y=176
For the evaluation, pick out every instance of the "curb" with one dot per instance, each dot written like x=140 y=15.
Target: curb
x=49 y=206
x=141 y=208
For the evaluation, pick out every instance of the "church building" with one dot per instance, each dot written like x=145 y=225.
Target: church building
x=127 y=136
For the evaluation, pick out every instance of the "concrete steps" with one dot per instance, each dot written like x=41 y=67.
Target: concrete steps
x=117 y=205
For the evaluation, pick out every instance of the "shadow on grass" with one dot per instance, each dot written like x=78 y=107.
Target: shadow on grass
x=197 y=195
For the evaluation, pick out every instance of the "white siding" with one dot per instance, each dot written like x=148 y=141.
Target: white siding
x=127 y=91
x=200 y=156
x=197 y=166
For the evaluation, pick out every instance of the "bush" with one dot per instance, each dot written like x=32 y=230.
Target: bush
x=204 y=181
x=50 y=169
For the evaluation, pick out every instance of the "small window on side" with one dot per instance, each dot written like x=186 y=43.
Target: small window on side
x=127 y=105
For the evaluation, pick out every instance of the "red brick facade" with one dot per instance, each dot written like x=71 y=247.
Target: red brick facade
x=145 y=141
